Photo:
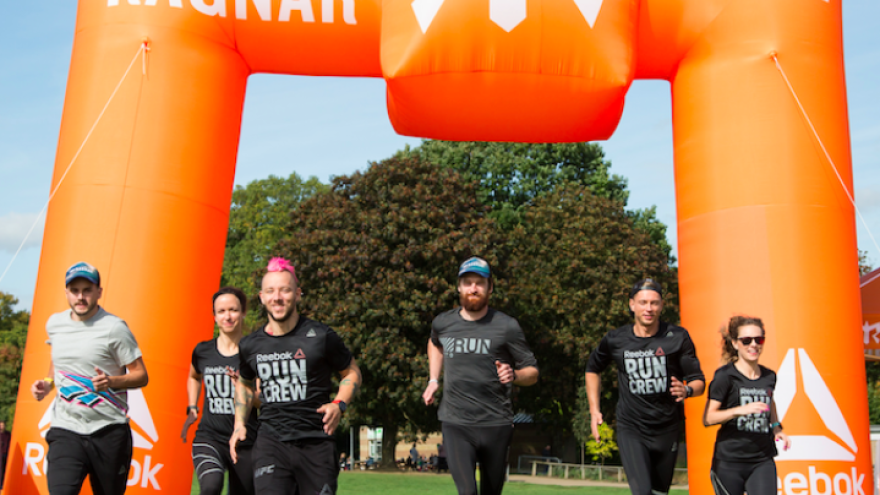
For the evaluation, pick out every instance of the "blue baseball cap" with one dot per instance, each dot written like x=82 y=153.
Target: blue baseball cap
x=82 y=270
x=475 y=265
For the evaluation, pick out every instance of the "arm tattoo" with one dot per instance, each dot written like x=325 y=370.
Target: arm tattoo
x=244 y=397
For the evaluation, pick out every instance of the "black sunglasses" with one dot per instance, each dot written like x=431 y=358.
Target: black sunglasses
x=748 y=340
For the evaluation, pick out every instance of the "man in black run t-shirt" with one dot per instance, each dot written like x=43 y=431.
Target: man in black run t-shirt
x=657 y=369
x=485 y=353
x=294 y=358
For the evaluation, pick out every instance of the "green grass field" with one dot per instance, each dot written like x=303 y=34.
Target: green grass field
x=432 y=484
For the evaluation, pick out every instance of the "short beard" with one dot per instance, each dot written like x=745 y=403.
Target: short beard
x=89 y=308
x=473 y=305
x=283 y=318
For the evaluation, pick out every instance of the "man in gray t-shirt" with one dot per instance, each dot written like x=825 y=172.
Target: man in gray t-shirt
x=485 y=353
x=95 y=360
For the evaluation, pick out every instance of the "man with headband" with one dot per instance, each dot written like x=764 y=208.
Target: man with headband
x=657 y=369
x=485 y=353
x=294 y=357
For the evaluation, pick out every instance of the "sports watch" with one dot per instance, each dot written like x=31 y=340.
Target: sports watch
x=341 y=405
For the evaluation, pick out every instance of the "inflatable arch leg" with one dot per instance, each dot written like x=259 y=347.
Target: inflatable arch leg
x=162 y=170
x=766 y=228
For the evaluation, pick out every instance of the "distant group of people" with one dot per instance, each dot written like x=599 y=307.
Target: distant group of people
x=435 y=462
x=285 y=369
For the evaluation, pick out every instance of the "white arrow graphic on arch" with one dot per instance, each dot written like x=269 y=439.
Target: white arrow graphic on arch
x=507 y=14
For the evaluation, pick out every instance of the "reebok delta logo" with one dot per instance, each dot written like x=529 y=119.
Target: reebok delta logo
x=144 y=470
x=812 y=447
x=507 y=14
x=797 y=370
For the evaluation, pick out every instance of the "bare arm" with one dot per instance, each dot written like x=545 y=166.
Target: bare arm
x=42 y=387
x=244 y=401
x=435 y=366
x=594 y=387
x=135 y=378
x=193 y=390
x=526 y=377
x=714 y=415
x=193 y=387
x=349 y=384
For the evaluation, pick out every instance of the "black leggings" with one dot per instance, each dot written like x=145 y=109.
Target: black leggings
x=736 y=478
x=648 y=460
x=211 y=460
x=467 y=445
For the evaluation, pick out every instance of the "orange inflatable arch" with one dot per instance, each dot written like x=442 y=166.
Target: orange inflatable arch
x=759 y=108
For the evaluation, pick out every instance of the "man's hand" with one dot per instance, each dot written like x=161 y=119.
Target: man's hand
x=595 y=421
x=428 y=394
x=40 y=389
x=678 y=390
x=191 y=417
x=332 y=415
x=238 y=435
x=505 y=372
x=101 y=381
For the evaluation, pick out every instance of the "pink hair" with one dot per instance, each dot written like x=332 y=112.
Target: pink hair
x=282 y=265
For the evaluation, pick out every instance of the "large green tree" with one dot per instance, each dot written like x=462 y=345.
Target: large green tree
x=260 y=211
x=572 y=262
x=13 y=334
x=512 y=175
x=376 y=257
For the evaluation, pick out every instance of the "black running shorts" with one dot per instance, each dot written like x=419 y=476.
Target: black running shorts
x=306 y=466
x=648 y=460
x=468 y=445
x=105 y=456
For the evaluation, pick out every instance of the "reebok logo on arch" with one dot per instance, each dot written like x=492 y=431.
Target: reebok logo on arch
x=144 y=470
x=507 y=14
x=796 y=370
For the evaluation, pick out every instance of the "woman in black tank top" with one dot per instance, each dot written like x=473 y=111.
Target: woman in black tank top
x=741 y=401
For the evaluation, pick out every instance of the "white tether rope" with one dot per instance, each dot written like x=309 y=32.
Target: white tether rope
x=142 y=49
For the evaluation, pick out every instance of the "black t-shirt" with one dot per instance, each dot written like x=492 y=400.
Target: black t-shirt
x=295 y=372
x=645 y=366
x=472 y=392
x=746 y=438
x=218 y=406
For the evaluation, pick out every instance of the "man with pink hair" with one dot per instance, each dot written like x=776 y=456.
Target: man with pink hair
x=294 y=357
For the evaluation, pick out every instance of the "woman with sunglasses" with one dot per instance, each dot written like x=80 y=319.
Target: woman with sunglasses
x=741 y=401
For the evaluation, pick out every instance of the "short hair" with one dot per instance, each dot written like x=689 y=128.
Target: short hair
x=235 y=292
x=646 y=284
x=279 y=264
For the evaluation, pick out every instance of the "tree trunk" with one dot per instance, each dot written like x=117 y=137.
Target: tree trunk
x=389 y=443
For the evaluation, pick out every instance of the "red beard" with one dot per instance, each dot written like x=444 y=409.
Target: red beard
x=473 y=302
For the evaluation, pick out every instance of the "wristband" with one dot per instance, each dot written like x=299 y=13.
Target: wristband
x=190 y=408
x=50 y=381
x=689 y=390
x=774 y=425
x=432 y=381
x=341 y=405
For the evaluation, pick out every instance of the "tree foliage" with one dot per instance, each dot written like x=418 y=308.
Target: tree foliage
x=259 y=212
x=376 y=257
x=572 y=262
x=513 y=175
x=13 y=334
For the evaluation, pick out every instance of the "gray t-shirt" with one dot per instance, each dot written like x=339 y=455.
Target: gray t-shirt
x=78 y=347
x=472 y=392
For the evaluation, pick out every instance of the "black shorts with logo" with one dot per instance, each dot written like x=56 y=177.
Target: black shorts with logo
x=105 y=456
x=307 y=466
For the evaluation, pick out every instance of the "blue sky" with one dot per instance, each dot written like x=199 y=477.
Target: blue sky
x=341 y=124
